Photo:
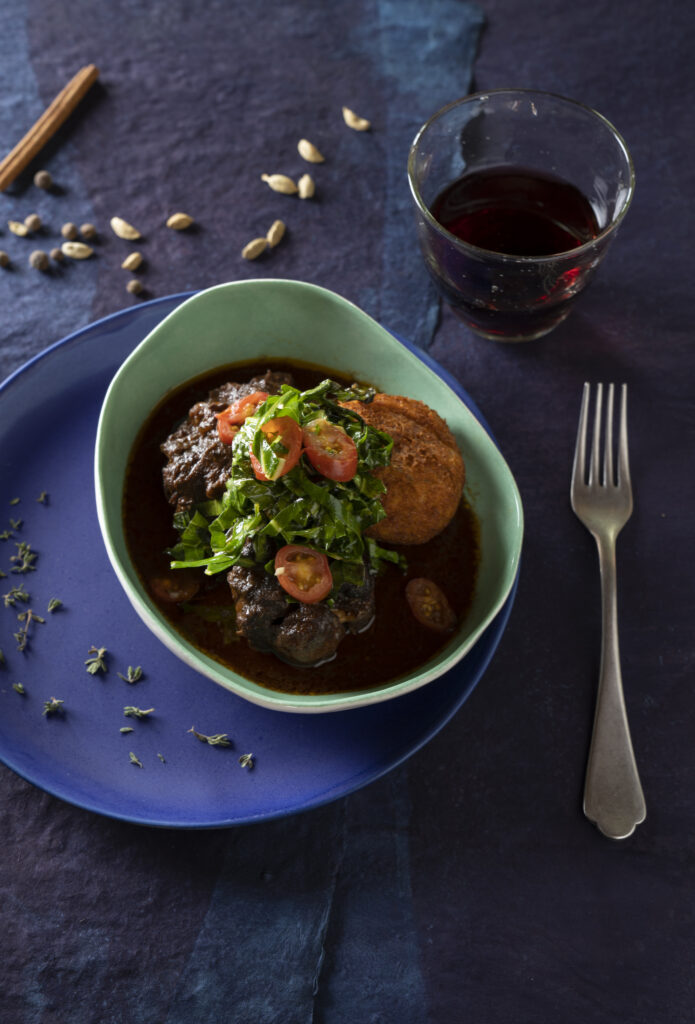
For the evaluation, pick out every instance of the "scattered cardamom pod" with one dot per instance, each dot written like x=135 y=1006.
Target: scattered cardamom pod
x=17 y=228
x=275 y=233
x=57 y=255
x=308 y=151
x=306 y=187
x=39 y=260
x=134 y=286
x=132 y=261
x=88 y=230
x=123 y=229
x=352 y=120
x=179 y=221
x=280 y=183
x=4 y=259
x=69 y=231
x=33 y=222
x=42 y=179
x=254 y=248
x=77 y=250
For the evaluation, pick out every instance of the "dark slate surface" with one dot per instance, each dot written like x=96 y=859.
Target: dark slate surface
x=465 y=886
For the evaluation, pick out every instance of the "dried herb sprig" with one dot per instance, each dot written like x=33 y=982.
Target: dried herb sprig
x=135 y=760
x=247 y=761
x=19 y=688
x=54 y=604
x=97 y=663
x=17 y=593
x=51 y=706
x=133 y=675
x=43 y=498
x=131 y=712
x=220 y=739
x=22 y=635
x=24 y=558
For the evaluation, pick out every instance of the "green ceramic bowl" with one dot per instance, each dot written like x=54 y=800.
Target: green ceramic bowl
x=258 y=320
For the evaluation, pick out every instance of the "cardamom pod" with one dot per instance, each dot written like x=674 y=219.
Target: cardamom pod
x=132 y=261
x=123 y=229
x=275 y=233
x=280 y=183
x=308 y=151
x=17 y=228
x=306 y=186
x=179 y=221
x=77 y=250
x=352 y=120
x=254 y=248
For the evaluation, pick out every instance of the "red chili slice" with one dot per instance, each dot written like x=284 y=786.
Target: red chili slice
x=304 y=573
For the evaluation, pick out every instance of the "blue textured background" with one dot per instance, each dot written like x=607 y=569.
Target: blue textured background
x=465 y=886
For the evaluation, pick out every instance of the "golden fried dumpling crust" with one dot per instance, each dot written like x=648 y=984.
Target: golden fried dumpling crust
x=425 y=478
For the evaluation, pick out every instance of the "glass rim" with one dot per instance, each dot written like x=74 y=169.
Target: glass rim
x=478 y=251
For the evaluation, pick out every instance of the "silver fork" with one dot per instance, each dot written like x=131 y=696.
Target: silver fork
x=613 y=797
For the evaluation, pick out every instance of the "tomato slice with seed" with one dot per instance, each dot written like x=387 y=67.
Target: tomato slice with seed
x=430 y=606
x=288 y=433
x=304 y=573
x=330 y=449
x=231 y=418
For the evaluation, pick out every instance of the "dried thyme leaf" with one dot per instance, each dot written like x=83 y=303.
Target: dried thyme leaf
x=220 y=739
x=98 y=662
x=135 y=760
x=126 y=728
x=54 y=604
x=24 y=558
x=161 y=758
x=131 y=712
x=16 y=523
x=51 y=706
x=19 y=688
x=43 y=498
x=15 y=501
x=17 y=593
x=133 y=675
x=247 y=761
x=22 y=635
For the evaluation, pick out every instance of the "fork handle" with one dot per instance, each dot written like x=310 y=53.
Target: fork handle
x=613 y=797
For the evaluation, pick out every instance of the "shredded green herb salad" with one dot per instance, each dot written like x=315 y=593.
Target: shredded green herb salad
x=300 y=507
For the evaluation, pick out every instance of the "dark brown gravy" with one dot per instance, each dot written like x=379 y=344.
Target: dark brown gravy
x=392 y=646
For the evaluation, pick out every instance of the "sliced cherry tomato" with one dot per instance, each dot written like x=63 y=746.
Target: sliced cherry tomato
x=229 y=420
x=174 y=589
x=303 y=573
x=330 y=449
x=430 y=606
x=288 y=432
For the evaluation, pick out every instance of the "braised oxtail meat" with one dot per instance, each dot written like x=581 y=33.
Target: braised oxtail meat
x=198 y=461
x=302 y=634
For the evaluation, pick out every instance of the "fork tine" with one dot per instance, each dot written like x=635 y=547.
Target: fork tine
x=623 y=461
x=579 y=468
x=595 y=453
x=608 y=478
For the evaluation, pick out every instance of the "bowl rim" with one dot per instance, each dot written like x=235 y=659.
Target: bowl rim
x=203 y=663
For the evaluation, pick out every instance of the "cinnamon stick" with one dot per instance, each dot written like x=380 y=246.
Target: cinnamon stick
x=47 y=125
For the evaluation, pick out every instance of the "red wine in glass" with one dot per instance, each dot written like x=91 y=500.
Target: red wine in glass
x=513 y=212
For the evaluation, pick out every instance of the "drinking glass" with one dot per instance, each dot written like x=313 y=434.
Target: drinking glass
x=512 y=146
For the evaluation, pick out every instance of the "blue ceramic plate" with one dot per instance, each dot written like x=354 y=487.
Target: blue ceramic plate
x=49 y=412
